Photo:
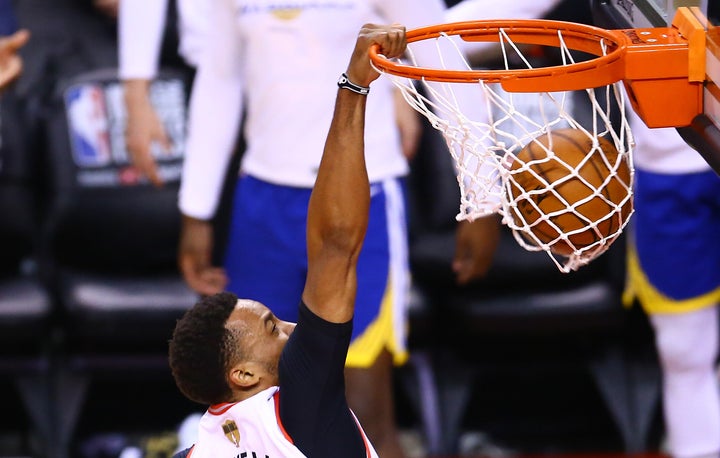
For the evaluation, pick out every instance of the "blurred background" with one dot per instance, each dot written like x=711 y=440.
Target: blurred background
x=526 y=361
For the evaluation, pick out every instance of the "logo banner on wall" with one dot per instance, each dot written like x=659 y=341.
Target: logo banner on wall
x=96 y=121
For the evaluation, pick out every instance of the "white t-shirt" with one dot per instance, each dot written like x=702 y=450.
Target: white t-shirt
x=141 y=24
x=477 y=10
x=278 y=62
x=663 y=150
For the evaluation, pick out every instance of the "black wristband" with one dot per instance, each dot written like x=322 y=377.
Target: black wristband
x=345 y=83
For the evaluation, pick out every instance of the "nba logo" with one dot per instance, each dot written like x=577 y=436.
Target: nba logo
x=88 y=125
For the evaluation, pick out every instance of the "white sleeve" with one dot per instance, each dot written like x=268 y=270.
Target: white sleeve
x=214 y=115
x=141 y=25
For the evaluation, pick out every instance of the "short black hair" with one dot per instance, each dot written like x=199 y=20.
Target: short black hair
x=201 y=350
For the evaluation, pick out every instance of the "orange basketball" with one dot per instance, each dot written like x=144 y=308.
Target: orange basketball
x=553 y=181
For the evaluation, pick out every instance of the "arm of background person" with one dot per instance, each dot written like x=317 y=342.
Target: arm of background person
x=109 y=8
x=340 y=201
x=11 y=64
x=140 y=31
x=215 y=112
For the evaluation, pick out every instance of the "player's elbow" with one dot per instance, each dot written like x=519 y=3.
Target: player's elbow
x=342 y=239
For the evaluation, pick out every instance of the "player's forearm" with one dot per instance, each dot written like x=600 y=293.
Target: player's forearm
x=338 y=214
x=340 y=201
x=339 y=205
x=136 y=91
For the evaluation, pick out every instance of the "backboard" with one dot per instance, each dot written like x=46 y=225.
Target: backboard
x=634 y=14
x=704 y=133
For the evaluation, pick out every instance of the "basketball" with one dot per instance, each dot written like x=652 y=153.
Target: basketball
x=568 y=189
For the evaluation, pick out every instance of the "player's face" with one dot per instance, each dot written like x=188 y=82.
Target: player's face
x=264 y=335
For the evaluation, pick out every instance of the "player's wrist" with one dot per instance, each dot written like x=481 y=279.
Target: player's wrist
x=194 y=220
x=345 y=82
x=136 y=88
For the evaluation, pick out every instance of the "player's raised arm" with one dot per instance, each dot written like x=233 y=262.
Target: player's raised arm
x=340 y=200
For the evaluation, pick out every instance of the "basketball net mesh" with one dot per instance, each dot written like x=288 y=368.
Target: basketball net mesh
x=484 y=148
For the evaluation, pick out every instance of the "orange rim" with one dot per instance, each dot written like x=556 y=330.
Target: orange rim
x=662 y=68
x=600 y=71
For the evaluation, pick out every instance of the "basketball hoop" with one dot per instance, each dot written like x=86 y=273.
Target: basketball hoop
x=662 y=70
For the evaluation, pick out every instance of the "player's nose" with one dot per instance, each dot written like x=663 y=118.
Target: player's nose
x=287 y=327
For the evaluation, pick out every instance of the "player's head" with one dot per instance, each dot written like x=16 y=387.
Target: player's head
x=223 y=347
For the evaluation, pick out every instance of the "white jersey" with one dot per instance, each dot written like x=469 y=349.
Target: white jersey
x=249 y=428
x=477 y=10
x=279 y=62
x=141 y=24
x=663 y=150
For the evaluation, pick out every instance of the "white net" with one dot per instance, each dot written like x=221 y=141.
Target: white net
x=556 y=165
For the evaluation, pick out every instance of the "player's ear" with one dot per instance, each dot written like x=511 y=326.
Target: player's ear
x=243 y=376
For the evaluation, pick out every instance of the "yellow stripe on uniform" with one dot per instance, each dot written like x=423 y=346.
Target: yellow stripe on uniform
x=652 y=300
x=379 y=335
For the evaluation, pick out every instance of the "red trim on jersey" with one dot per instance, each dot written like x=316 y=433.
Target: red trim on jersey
x=192 y=449
x=276 y=398
x=219 y=409
x=362 y=434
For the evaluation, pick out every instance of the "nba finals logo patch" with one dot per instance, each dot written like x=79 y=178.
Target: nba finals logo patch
x=287 y=14
x=231 y=432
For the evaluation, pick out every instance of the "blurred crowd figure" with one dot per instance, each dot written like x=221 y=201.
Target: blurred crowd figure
x=10 y=62
x=674 y=273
